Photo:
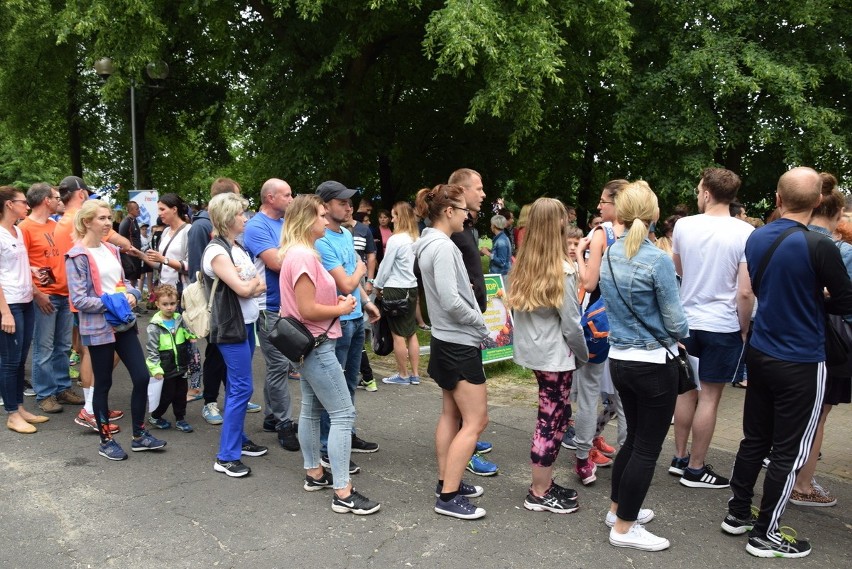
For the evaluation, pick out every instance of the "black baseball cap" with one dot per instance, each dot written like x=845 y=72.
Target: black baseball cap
x=332 y=190
x=71 y=184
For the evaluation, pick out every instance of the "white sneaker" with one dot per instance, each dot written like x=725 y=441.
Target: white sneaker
x=638 y=538
x=645 y=516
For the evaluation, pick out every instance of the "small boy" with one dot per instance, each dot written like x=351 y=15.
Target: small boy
x=169 y=354
x=572 y=236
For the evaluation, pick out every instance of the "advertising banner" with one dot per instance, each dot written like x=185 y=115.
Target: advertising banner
x=498 y=345
x=147 y=200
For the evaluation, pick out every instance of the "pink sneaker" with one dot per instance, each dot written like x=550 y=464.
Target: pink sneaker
x=585 y=470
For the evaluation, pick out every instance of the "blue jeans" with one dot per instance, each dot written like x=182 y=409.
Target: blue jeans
x=13 y=356
x=238 y=390
x=51 y=346
x=324 y=388
x=348 y=351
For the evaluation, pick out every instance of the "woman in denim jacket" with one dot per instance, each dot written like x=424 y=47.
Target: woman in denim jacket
x=636 y=277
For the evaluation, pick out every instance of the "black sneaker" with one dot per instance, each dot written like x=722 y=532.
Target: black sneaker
x=553 y=501
x=314 y=484
x=360 y=445
x=465 y=489
x=233 y=468
x=288 y=436
x=355 y=503
x=705 y=479
x=251 y=449
x=353 y=468
x=787 y=546
x=269 y=424
x=567 y=493
x=678 y=465
x=735 y=526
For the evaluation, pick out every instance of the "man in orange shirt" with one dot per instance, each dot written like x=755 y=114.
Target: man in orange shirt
x=52 y=332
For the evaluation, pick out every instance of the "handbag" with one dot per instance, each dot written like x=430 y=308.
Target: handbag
x=293 y=339
x=382 y=340
x=686 y=380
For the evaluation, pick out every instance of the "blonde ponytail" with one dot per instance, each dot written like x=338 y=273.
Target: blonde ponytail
x=635 y=207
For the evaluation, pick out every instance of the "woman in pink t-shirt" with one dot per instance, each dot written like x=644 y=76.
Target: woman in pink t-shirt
x=309 y=294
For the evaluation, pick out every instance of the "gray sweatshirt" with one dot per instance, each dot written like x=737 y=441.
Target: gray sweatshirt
x=453 y=311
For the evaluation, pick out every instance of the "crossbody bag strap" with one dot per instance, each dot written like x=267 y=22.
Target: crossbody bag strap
x=758 y=275
x=172 y=238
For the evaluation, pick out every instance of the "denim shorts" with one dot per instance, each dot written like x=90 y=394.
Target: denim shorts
x=719 y=354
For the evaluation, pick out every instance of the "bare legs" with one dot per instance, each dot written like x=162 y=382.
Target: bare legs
x=454 y=443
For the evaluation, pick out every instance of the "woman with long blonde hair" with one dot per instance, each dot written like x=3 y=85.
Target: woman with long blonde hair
x=396 y=281
x=646 y=321
x=548 y=339
x=309 y=294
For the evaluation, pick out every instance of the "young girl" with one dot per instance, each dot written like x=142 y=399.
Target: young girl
x=169 y=354
x=458 y=329
x=548 y=340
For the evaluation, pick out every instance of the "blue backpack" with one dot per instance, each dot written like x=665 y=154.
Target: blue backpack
x=594 y=321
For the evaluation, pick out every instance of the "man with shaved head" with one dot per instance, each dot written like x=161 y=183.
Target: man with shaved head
x=790 y=268
x=262 y=239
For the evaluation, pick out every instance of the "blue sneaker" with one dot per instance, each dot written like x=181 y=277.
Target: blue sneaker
x=414 y=379
x=483 y=447
x=146 y=442
x=480 y=466
x=568 y=439
x=159 y=423
x=183 y=426
x=112 y=451
x=465 y=489
x=212 y=414
x=252 y=407
x=459 y=507
x=395 y=379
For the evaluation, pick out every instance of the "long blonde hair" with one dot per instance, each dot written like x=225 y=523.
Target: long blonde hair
x=405 y=221
x=538 y=277
x=301 y=215
x=635 y=207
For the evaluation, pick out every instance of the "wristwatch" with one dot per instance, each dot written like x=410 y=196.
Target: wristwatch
x=371 y=281
x=166 y=261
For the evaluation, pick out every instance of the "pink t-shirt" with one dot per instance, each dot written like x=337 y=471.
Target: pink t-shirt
x=300 y=261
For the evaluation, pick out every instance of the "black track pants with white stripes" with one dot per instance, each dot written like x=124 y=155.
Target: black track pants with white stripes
x=781 y=412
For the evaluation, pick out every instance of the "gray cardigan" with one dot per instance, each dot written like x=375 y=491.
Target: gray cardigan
x=550 y=339
x=453 y=311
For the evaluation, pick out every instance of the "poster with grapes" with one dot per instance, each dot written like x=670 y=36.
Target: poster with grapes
x=498 y=345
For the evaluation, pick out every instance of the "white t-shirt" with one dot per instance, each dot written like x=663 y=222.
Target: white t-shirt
x=15 y=276
x=245 y=268
x=711 y=249
x=108 y=267
x=176 y=251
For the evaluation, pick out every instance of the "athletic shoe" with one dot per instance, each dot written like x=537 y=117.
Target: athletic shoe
x=73 y=373
x=115 y=414
x=465 y=489
x=480 y=466
x=159 y=423
x=585 y=470
x=813 y=498
x=483 y=447
x=678 y=465
x=269 y=424
x=88 y=420
x=459 y=507
x=355 y=503
x=74 y=358
x=146 y=442
x=353 y=468
x=414 y=379
x=704 y=479
x=637 y=537
x=600 y=443
x=362 y=446
x=252 y=407
x=69 y=397
x=396 y=379
x=568 y=493
x=183 y=426
x=788 y=545
x=368 y=385
x=568 y=439
x=112 y=450
x=29 y=392
x=251 y=449
x=212 y=414
x=645 y=516
x=314 y=484
x=233 y=468
x=288 y=436
x=733 y=525
x=552 y=501
x=599 y=459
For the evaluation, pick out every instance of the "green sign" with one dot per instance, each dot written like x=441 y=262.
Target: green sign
x=498 y=345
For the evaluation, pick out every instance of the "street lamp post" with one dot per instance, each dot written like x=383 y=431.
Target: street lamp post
x=157 y=71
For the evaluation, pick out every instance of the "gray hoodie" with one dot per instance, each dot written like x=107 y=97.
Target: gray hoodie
x=453 y=311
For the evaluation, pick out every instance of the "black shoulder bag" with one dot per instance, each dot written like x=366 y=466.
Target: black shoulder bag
x=294 y=340
x=686 y=376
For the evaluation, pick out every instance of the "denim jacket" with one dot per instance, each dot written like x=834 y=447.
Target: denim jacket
x=648 y=283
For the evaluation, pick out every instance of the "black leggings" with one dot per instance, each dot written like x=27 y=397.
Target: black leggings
x=174 y=394
x=129 y=350
x=213 y=372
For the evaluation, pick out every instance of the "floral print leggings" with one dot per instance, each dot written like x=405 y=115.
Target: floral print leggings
x=554 y=412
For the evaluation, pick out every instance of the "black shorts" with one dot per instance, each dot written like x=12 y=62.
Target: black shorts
x=450 y=363
x=837 y=390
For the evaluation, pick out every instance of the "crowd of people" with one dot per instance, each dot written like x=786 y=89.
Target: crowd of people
x=741 y=301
